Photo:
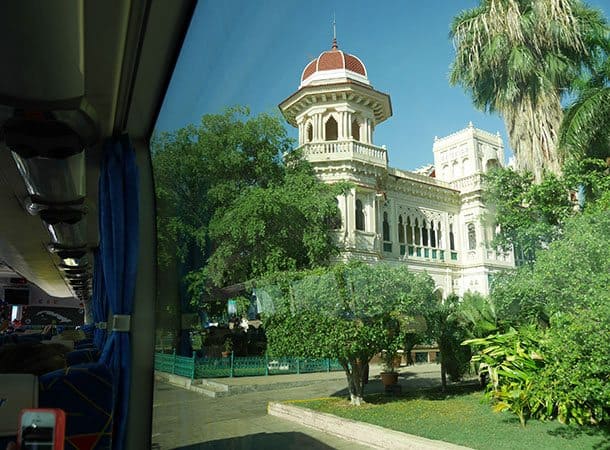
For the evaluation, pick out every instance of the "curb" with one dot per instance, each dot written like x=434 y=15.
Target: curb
x=209 y=389
x=218 y=389
x=359 y=432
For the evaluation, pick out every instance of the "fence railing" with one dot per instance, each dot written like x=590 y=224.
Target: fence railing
x=240 y=366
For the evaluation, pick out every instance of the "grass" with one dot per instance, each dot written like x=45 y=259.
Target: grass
x=462 y=417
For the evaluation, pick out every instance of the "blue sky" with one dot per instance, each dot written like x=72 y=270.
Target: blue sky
x=253 y=52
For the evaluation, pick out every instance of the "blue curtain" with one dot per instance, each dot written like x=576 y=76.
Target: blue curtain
x=99 y=302
x=118 y=211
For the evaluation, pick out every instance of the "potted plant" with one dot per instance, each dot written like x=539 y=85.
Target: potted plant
x=389 y=376
x=227 y=347
x=393 y=342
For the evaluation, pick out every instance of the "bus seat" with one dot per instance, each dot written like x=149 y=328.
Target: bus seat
x=85 y=393
x=88 y=329
x=84 y=344
x=81 y=357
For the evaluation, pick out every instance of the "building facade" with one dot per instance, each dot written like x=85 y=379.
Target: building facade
x=432 y=219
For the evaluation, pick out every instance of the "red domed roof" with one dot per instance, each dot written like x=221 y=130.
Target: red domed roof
x=334 y=59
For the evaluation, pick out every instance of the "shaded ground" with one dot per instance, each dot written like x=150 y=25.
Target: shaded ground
x=186 y=420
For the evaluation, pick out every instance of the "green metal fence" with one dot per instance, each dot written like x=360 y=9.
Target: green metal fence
x=174 y=364
x=241 y=366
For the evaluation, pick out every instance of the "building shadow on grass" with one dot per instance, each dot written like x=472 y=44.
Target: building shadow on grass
x=260 y=441
x=374 y=391
x=574 y=432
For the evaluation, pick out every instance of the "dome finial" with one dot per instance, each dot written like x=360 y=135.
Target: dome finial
x=335 y=46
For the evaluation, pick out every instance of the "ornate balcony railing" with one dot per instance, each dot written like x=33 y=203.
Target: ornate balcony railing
x=468 y=184
x=344 y=150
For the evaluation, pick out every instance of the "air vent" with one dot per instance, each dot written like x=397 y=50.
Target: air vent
x=50 y=158
x=66 y=227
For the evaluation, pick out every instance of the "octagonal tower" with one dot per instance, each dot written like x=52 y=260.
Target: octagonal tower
x=336 y=110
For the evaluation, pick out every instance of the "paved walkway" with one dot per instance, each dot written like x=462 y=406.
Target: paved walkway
x=189 y=421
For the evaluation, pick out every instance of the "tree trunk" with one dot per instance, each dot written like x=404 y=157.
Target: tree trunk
x=365 y=373
x=443 y=375
x=410 y=341
x=533 y=132
x=355 y=384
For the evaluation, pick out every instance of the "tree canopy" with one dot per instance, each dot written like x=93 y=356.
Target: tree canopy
x=530 y=216
x=349 y=311
x=573 y=273
x=230 y=208
x=552 y=360
x=284 y=226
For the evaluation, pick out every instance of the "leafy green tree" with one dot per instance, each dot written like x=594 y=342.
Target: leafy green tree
x=557 y=367
x=284 y=226
x=199 y=169
x=577 y=365
x=574 y=271
x=589 y=177
x=530 y=216
x=517 y=58
x=349 y=311
x=230 y=208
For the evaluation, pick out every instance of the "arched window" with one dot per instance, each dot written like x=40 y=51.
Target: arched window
x=355 y=130
x=386 y=227
x=309 y=132
x=491 y=164
x=465 y=166
x=359 y=215
x=424 y=234
x=331 y=129
x=336 y=222
x=451 y=238
x=387 y=244
x=417 y=233
x=472 y=237
x=432 y=235
x=401 y=231
x=409 y=232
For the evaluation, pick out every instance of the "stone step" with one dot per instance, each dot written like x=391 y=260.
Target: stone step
x=209 y=391
x=211 y=385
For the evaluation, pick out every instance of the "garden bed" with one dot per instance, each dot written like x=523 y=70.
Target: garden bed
x=462 y=417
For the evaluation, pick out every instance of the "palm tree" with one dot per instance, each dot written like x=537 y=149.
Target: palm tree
x=585 y=131
x=519 y=57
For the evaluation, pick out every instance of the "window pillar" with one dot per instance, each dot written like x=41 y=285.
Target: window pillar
x=301 y=133
x=321 y=132
x=350 y=212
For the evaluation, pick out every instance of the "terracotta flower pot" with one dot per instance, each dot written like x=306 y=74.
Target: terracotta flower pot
x=389 y=378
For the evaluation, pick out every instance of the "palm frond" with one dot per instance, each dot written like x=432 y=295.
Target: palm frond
x=586 y=121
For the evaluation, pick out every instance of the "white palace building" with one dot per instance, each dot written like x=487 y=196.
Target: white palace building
x=432 y=219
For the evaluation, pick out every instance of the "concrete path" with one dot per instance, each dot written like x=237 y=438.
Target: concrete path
x=190 y=421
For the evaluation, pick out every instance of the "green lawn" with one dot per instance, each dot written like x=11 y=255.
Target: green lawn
x=462 y=417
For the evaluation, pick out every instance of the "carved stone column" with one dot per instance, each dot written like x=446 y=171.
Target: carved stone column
x=350 y=217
